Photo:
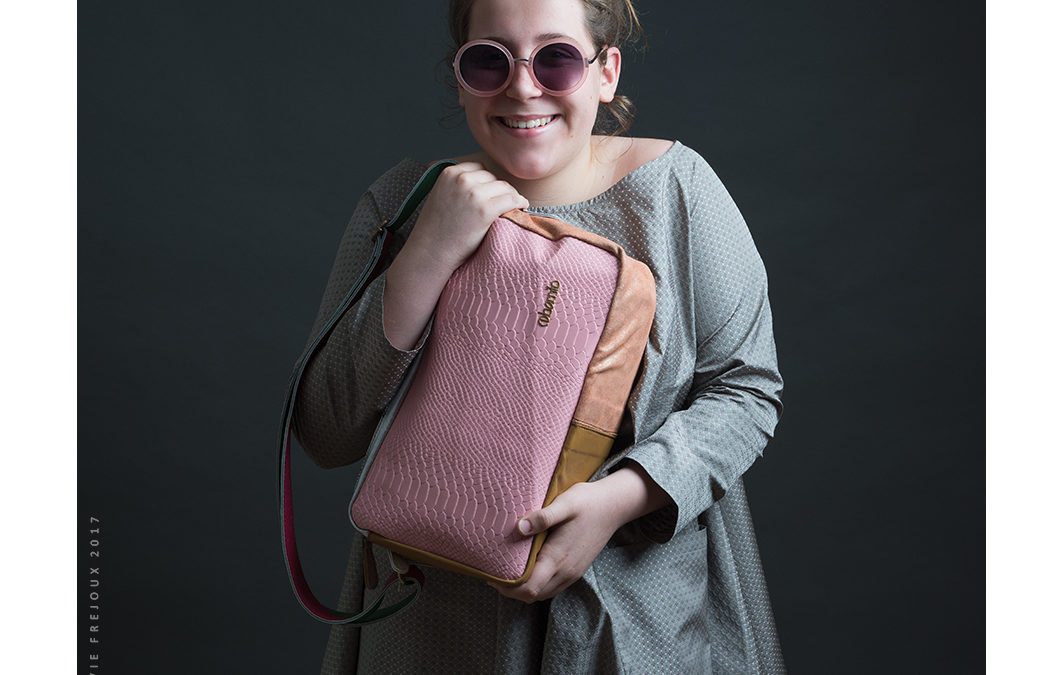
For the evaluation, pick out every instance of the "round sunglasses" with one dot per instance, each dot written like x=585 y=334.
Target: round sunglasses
x=485 y=67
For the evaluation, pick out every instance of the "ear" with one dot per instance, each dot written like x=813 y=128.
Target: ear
x=610 y=75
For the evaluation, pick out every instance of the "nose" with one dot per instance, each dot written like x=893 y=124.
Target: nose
x=522 y=86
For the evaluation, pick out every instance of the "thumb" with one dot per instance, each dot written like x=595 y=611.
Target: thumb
x=543 y=519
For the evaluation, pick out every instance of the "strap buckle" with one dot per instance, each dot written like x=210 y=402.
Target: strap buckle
x=380 y=229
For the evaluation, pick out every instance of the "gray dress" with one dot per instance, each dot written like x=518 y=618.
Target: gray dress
x=680 y=590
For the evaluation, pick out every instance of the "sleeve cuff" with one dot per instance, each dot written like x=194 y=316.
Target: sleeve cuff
x=658 y=526
x=387 y=341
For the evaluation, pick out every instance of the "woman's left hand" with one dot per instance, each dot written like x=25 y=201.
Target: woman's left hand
x=580 y=522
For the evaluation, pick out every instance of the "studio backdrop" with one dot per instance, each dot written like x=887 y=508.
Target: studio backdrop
x=222 y=147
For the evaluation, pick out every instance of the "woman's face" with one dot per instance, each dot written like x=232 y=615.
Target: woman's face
x=562 y=145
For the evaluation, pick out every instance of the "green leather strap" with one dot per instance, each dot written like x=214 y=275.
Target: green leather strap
x=284 y=482
x=416 y=196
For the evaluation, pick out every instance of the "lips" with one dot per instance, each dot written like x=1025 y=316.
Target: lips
x=525 y=122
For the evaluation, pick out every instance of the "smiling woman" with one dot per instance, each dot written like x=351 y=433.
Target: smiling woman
x=651 y=565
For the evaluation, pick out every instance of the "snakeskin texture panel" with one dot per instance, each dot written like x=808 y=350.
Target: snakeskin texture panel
x=477 y=438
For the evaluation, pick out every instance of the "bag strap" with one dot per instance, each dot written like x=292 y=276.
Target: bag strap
x=376 y=264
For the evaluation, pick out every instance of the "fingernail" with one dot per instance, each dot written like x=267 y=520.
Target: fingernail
x=524 y=526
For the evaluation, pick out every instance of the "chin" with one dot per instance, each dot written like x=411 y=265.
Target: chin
x=524 y=165
x=531 y=169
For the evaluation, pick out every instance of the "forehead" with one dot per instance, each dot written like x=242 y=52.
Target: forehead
x=522 y=23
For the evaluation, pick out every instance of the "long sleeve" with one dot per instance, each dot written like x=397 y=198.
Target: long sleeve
x=352 y=376
x=726 y=409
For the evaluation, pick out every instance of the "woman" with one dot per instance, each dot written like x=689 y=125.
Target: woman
x=651 y=565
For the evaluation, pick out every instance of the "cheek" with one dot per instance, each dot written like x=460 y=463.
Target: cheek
x=474 y=109
x=588 y=109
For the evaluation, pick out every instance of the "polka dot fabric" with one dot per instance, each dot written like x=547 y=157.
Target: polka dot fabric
x=678 y=591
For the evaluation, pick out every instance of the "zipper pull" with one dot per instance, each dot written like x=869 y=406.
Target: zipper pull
x=368 y=565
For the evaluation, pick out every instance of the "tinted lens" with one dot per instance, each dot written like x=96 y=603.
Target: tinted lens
x=558 y=66
x=484 y=67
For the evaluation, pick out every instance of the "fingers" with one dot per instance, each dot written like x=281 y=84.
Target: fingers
x=542 y=585
x=466 y=175
x=543 y=519
x=462 y=167
x=497 y=197
x=475 y=183
x=564 y=508
x=548 y=578
x=505 y=201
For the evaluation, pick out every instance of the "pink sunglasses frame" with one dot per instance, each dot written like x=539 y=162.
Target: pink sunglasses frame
x=528 y=61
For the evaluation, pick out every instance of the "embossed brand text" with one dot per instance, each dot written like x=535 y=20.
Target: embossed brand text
x=551 y=297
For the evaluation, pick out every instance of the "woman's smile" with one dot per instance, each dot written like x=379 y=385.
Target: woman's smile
x=527 y=121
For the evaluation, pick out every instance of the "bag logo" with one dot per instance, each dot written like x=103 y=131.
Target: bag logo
x=551 y=297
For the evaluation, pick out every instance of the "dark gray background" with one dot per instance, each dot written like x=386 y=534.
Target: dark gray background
x=222 y=147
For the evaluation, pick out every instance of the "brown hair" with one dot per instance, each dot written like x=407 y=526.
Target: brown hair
x=609 y=22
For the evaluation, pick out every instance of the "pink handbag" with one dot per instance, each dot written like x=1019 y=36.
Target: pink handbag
x=517 y=395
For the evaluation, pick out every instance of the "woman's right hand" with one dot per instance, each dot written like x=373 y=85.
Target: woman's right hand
x=456 y=215
x=463 y=203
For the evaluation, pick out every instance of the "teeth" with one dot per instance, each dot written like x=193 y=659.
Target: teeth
x=526 y=124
